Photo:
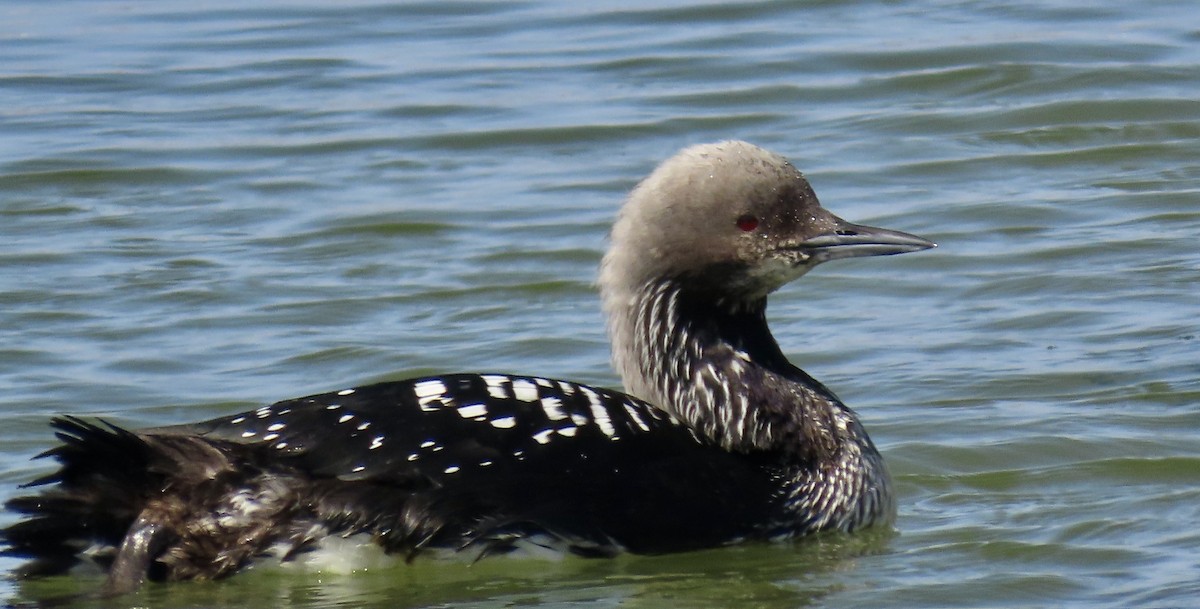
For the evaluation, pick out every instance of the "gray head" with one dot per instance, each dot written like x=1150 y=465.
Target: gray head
x=731 y=221
x=715 y=227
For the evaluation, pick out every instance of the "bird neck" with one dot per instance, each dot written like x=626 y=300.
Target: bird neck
x=713 y=364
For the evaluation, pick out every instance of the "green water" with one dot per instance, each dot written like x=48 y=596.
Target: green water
x=205 y=208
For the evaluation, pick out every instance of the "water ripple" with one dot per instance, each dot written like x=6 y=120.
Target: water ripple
x=208 y=207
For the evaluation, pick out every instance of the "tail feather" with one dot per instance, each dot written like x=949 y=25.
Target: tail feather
x=163 y=505
x=176 y=505
x=101 y=469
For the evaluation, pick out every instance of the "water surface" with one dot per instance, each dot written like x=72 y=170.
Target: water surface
x=203 y=209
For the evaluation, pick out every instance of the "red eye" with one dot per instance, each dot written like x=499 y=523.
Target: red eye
x=747 y=223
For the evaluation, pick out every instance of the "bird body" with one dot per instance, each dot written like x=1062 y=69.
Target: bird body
x=717 y=439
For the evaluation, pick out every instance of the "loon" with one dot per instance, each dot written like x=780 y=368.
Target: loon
x=717 y=439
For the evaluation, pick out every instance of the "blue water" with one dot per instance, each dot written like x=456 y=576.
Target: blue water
x=206 y=208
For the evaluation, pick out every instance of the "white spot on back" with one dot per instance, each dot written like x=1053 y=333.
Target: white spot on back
x=553 y=408
x=376 y=443
x=568 y=431
x=345 y=392
x=637 y=418
x=471 y=411
x=496 y=385
x=429 y=388
x=346 y=417
x=504 y=422
x=238 y=420
x=452 y=469
x=430 y=394
x=525 y=391
x=593 y=398
x=543 y=436
x=249 y=434
x=600 y=416
x=275 y=426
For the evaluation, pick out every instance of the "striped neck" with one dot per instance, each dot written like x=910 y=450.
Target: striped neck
x=714 y=365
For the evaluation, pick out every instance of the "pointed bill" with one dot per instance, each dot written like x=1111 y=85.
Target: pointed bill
x=855 y=240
